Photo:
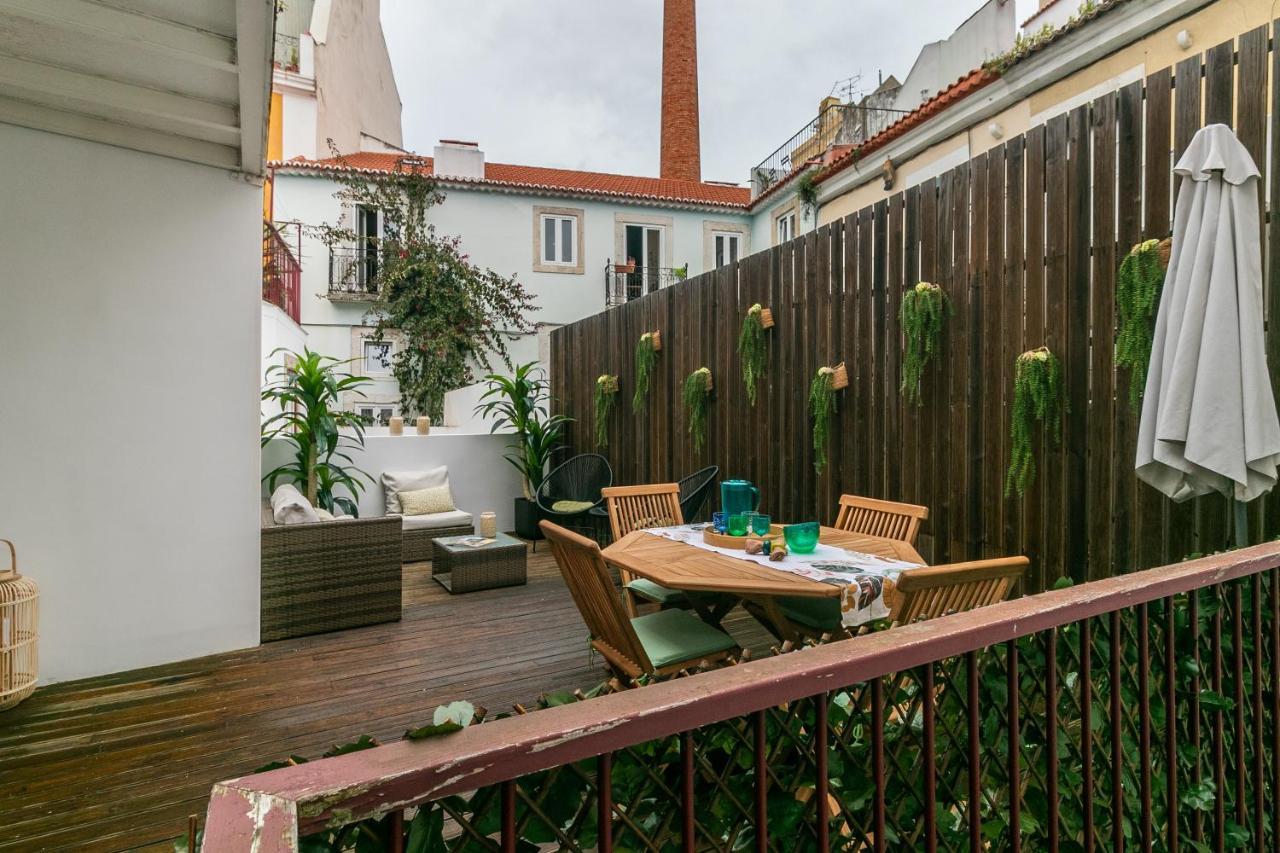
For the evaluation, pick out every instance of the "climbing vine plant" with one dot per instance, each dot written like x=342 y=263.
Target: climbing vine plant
x=606 y=391
x=921 y=315
x=822 y=406
x=1137 y=297
x=696 y=394
x=753 y=350
x=646 y=359
x=1037 y=398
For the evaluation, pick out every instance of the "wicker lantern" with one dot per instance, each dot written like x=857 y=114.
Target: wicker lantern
x=19 y=631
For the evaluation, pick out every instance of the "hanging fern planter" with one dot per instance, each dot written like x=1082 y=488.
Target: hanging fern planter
x=1137 y=297
x=921 y=316
x=647 y=350
x=753 y=347
x=697 y=399
x=822 y=407
x=1037 y=398
x=606 y=391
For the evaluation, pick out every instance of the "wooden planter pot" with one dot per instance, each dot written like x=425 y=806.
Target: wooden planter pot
x=656 y=339
x=839 y=377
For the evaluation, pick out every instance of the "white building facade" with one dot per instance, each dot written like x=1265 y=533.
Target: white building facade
x=578 y=241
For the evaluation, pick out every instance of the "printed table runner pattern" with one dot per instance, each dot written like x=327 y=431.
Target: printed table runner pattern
x=861 y=576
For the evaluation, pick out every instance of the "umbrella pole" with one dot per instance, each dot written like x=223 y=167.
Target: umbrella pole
x=1242 y=522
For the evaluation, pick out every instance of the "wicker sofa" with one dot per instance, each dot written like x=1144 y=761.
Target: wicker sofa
x=328 y=576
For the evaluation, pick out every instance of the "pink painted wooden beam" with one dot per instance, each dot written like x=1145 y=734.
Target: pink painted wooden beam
x=267 y=812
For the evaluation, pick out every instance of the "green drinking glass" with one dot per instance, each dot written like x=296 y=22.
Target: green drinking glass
x=738 y=524
x=801 y=538
x=760 y=524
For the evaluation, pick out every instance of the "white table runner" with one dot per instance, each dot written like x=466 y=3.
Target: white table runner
x=861 y=576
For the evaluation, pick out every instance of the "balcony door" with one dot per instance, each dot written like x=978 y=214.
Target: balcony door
x=644 y=244
x=367 y=248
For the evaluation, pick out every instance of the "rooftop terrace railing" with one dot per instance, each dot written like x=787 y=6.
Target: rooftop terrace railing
x=837 y=124
x=1137 y=710
x=281 y=272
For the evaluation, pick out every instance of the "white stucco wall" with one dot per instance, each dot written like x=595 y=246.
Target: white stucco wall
x=479 y=478
x=129 y=339
x=497 y=231
x=986 y=33
x=279 y=332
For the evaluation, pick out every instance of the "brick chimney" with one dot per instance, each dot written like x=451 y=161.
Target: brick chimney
x=681 y=144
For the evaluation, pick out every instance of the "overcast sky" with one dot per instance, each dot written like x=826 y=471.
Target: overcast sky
x=575 y=83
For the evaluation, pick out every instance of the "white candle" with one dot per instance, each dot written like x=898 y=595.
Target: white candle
x=397 y=426
x=488 y=525
x=424 y=425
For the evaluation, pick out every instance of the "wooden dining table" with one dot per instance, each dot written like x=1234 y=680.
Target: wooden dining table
x=679 y=565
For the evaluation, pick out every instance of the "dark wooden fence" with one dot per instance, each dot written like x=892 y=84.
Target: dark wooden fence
x=1026 y=239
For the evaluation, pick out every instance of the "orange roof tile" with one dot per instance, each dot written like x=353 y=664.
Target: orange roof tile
x=539 y=178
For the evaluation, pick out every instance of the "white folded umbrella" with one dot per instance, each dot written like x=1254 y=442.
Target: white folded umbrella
x=1208 y=415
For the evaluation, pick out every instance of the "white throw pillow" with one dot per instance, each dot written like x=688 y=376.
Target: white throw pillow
x=395 y=482
x=288 y=506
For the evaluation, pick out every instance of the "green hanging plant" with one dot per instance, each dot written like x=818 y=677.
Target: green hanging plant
x=822 y=406
x=923 y=309
x=753 y=347
x=1037 y=398
x=606 y=390
x=697 y=398
x=646 y=360
x=1137 y=297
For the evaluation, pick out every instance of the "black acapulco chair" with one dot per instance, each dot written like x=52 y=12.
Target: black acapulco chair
x=573 y=488
x=694 y=490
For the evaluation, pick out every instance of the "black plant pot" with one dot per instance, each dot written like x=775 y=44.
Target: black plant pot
x=527 y=517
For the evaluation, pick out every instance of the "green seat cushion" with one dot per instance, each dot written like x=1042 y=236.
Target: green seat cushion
x=820 y=613
x=571 y=507
x=672 y=636
x=651 y=591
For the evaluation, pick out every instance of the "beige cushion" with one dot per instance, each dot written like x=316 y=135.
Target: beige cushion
x=288 y=506
x=430 y=501
x=437 y=520
x=324 y=514
x=394 y=482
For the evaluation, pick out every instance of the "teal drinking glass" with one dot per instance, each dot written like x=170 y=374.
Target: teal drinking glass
x=760 y=524
x=738 y=524
x=801 y=538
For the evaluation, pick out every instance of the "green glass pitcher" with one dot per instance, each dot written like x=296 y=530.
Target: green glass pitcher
x=738 y=497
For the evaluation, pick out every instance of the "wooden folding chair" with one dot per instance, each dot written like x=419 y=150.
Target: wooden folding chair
x=943 y=590
x=634 y=508
x=886 y=519
x=814 y=617
x=657 y=644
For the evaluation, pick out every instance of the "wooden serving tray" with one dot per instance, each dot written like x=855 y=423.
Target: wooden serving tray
x=738 y=543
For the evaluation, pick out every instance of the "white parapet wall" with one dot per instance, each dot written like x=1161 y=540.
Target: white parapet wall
x=480 y=479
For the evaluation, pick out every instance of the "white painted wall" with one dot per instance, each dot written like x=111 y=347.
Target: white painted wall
x=129 y=339
x=479 y=478
x=278 y=332
x=497 y=231
x=985 y=34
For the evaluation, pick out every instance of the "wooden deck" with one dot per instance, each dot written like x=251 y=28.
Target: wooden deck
x=118 y=762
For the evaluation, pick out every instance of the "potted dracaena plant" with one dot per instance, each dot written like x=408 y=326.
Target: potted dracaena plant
x=520 y=403
x=308 y=388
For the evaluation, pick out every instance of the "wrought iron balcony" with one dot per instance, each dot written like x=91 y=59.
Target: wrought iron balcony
x=622 y=283
x=354 y=273
x=281 y=272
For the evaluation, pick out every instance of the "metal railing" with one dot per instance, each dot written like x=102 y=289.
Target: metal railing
x=838 y=124
x=622 y=282
x=354 y=272
x=1136 y=710
x=281 y=272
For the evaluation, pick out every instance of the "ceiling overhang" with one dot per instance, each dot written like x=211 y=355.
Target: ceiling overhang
x=188 y=79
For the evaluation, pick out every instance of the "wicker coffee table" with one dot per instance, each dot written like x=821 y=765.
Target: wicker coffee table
x=461 y=568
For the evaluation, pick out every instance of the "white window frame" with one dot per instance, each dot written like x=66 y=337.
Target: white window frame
x=364 y=358
x=558 y=239
x=789 y=220
x=734 y=237
x=374 y=411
